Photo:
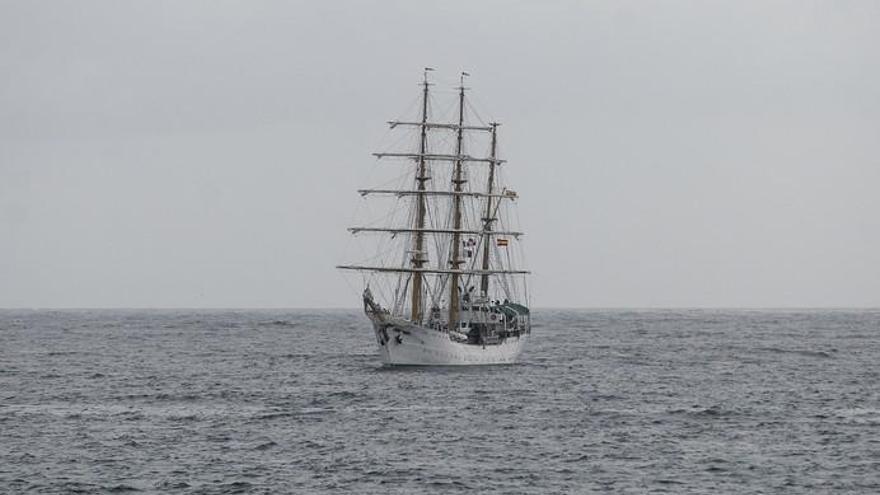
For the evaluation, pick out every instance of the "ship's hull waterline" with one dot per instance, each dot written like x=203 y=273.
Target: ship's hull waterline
x=402 y=343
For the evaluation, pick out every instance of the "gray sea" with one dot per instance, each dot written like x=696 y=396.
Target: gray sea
x=675 y=401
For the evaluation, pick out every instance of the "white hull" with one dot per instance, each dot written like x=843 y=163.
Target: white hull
x=403 y=343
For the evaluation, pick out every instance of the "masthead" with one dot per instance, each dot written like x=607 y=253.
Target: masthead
x=463 y=75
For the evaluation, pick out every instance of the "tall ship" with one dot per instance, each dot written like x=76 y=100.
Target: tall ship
x=444 y=283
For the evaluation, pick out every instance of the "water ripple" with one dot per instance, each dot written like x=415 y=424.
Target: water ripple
x=634 y=401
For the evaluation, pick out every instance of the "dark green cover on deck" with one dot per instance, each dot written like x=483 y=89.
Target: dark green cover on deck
x=512 y=309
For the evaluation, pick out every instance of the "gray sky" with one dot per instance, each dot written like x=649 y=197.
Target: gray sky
x=205 y=154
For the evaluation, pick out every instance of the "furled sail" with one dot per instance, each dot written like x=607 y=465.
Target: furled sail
x=447 y=237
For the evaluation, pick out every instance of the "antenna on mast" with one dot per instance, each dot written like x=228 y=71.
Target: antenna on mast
x=463 y=75
x=427 y=69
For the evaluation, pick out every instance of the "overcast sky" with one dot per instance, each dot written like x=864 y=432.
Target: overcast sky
x=667 y=154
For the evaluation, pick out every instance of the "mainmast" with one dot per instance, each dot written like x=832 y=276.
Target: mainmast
x=457 y=181
x=489 y=218
x=418 y=257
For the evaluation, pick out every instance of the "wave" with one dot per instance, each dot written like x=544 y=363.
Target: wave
x=799 y=352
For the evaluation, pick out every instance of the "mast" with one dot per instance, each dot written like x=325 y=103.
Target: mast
x=457 y=181
x=487 y=226
x=414 y=274
x=418 y=257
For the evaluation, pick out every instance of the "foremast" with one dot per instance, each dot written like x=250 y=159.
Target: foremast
x=418 y=255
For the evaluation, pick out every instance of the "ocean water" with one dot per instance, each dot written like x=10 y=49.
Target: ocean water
x=692 y=401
